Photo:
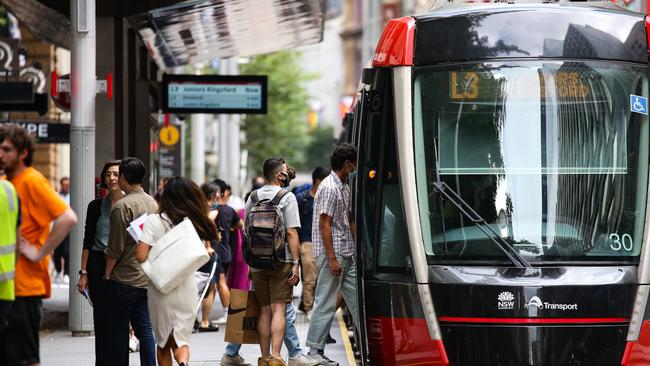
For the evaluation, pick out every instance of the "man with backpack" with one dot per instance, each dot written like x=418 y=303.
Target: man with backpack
x=272 y=250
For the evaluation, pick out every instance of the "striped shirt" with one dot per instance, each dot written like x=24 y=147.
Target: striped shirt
x=333 y=199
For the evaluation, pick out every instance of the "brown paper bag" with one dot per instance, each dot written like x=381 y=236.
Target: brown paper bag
x=243 y=313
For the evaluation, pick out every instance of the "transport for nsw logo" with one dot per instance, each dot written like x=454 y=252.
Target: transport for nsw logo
x=506 y=300
x=535 y=301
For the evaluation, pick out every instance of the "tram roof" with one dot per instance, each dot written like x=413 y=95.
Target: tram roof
x=586 y=30
x=451 y=8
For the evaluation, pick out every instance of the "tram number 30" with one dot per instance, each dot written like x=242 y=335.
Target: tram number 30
x=619 y=242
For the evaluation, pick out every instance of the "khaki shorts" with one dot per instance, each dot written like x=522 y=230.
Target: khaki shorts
x=272 y=286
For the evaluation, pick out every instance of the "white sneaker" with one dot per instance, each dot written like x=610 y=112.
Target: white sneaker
x=233 y=361
x=323 y=360
x=66 y=279
x=302 y=360
x=222 y=320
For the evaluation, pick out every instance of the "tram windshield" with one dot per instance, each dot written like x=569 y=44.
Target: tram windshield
x=552 y=155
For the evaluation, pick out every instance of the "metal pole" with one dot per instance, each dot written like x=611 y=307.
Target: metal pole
x=198 y=143
x=82 y=147
x=224 y=139
x=235 y=148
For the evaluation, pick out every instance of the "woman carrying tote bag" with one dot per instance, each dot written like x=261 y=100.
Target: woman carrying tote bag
x=172 y=314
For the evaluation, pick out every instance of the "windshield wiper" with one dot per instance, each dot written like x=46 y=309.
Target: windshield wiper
x=447 y=192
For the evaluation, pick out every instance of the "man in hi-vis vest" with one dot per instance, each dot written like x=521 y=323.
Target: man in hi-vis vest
x=9 y=218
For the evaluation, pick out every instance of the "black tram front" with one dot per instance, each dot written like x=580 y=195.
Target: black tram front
x=503 y=187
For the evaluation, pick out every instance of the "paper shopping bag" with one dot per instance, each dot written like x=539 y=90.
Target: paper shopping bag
x=241 y=326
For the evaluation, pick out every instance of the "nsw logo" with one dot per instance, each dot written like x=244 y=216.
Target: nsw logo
x=506 y=300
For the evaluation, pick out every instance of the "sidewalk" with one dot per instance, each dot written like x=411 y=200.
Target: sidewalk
x=59 y=348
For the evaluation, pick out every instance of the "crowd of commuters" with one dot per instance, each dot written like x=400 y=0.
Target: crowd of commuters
x=315 y=242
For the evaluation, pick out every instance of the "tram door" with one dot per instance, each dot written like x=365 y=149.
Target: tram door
x=387 y=292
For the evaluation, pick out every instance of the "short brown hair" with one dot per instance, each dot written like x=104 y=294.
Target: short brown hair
x=20 y=138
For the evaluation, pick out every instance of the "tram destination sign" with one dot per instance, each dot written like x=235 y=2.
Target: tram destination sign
x=229 y=94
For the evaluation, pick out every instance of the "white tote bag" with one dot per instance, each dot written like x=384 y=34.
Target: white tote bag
x=175 y=256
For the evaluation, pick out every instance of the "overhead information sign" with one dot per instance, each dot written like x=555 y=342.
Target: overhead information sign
x=214 y=94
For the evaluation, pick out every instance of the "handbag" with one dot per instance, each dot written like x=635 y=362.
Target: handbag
x=175 y=256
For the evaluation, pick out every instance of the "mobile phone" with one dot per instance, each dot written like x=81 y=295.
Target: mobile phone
x=291 y=274
x=87 y=296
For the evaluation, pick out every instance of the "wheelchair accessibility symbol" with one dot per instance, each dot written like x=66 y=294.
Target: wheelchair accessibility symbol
x=639 y=104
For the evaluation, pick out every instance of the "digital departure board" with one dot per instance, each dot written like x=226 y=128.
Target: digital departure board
x=214 y=94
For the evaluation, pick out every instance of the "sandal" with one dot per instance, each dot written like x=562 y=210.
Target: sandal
x=210 y=328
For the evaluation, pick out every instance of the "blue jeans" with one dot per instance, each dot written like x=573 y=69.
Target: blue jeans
x=327 y=289
x=129 y=304
x=291 y=340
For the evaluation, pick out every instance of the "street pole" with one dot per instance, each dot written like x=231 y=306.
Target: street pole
x=82 y=147
x=229 y=141
x=235 y=148
x=224 y=138
x=198 y=143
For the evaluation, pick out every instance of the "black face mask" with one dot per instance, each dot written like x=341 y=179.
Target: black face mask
x=284 y=183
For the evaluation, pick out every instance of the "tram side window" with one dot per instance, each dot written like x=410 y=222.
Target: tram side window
x=369 y=158
x=394 y=249
x=383 y=228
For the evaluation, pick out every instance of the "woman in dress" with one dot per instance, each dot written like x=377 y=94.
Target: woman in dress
x=172 y=314
x=93 y=259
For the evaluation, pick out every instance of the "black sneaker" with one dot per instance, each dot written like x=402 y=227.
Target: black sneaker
x=329 y=339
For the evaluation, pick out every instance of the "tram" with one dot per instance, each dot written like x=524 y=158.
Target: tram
x=502 y=194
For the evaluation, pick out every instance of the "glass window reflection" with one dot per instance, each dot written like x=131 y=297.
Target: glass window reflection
x=548 y=153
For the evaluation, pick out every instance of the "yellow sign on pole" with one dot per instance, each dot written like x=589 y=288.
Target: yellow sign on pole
x=169 y=135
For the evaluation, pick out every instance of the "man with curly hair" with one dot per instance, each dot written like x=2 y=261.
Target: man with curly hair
x=333 y=232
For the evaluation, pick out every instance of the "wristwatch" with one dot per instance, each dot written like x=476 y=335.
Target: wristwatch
x=296 y=261
x=82 y=272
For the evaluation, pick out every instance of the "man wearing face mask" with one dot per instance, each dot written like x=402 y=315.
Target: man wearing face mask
x=333 y=232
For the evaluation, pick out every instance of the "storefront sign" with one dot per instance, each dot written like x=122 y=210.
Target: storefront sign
x=44 y=132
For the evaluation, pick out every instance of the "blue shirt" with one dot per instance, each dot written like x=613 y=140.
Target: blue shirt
x=306 y=208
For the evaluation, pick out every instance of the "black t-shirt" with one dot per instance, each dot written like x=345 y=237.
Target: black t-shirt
x=226 y=220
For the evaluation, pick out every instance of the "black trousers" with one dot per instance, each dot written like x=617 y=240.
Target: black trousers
x=19 y=341
x=98 y=293
x=62 y=251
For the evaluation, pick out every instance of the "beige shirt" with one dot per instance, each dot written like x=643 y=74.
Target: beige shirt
x=121 y=245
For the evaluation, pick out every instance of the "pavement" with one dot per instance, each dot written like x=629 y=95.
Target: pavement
x=60 y=348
